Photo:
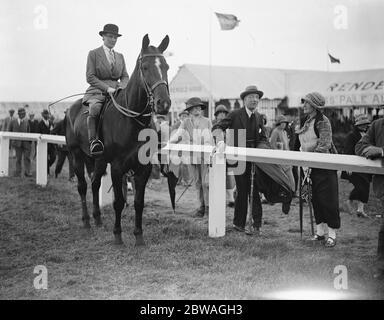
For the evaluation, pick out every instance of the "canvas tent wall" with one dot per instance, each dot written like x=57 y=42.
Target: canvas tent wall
x=344 y=90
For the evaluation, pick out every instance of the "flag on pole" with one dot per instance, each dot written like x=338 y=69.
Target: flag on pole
x=333 y=59
x=227 y=21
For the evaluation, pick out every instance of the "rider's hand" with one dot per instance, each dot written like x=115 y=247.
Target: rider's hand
x=111 y=90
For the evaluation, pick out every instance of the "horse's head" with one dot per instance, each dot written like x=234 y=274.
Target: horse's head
x=153 y=69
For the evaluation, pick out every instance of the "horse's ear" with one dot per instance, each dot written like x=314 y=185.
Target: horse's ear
x=145 y=42
x=164 y=44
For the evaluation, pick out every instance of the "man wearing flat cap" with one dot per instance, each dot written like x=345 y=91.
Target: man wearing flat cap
x=106 y=72
x=198 y=130
x=249 y=119
x=23 y=148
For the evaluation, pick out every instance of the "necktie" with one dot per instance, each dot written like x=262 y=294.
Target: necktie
x=112 y=57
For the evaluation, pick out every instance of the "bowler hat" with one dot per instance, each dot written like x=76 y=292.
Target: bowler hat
x=110 y=28
x=251 y=89
x=361 y=119
x=194 y=102
x=221 y=108
x=21 y=110
x=315 y=99
x=281 y=119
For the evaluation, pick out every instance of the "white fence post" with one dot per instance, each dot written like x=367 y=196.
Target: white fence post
x=41 y=163
x=217 y=196
x=105 y=191
x=4 y=156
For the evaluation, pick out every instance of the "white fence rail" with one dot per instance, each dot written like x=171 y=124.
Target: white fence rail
x=217 y=170
x=41 y=159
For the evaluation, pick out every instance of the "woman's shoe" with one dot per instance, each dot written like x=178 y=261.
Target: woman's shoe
x=330 y=242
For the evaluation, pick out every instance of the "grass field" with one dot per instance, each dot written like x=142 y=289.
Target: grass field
x=42 y=226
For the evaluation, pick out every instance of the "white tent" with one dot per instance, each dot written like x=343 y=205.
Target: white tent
x=352 y=88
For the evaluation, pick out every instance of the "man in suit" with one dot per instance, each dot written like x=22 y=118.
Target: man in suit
x=23 y=148
x=371 y=146
x=45 y=127
x=105 y=67
x=8 y=120
x=249 y=119
x=34 y=128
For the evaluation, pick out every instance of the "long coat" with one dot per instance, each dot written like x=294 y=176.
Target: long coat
x=374 y=137
x=14 y=126
x=101 y=75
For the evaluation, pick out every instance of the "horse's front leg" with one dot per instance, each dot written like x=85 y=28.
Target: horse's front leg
x=118 y=203
x=100 y=167
x=140 y=182
x=78 y=158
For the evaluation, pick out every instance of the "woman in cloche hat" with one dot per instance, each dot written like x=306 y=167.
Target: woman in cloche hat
x=315 y=135
x=106 y=72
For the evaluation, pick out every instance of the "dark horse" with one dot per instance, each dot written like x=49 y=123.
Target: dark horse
x=123 y=119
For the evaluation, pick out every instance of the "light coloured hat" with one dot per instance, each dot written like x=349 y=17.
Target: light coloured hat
x=315 y=99
x=361 y=119
x=221 y=108
x=251 y=89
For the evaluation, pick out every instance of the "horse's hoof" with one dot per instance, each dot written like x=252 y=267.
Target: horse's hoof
x=140 y=242
x=118 y=240
x=86 y=225
x=98 y=222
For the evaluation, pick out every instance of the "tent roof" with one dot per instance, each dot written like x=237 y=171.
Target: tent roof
x=364 y=87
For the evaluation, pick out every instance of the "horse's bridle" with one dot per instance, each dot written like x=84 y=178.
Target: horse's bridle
x=148 y=90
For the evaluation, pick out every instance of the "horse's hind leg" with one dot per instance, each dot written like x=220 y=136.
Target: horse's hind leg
x=81 y=185
x=140 y=182
x=100 y=166
x=118 y=203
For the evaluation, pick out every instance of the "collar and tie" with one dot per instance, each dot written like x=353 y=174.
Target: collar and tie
x=112 y=57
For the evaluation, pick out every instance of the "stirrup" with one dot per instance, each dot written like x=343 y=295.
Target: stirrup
x=96 y=148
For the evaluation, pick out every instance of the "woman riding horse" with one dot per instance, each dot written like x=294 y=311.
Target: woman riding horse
x=104 y=68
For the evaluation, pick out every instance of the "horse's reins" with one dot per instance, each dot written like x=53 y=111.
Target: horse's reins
x=148 y=90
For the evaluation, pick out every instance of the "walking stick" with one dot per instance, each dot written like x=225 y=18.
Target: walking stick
x=307 y=196
x=301 y=201
x=250 y=206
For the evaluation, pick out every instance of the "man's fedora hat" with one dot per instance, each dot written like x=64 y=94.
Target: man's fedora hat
x=110 y=28
x=251 y=89
x=194 y=102
x=45 y=111
x=221 y=108
x=21 y=110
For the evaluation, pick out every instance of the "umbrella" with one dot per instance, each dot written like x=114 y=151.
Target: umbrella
x=301 y=201
x=172 y=182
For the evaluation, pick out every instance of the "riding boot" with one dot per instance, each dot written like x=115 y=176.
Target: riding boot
x=95 y=146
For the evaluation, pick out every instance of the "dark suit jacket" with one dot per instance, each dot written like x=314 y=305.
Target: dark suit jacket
x=34 y=125
x=100 y=74
x=23 y=127
x=236 y=120
x=43 y=129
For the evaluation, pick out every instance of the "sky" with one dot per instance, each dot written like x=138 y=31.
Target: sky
x=44 y=43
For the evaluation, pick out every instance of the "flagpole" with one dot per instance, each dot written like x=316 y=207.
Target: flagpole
x=210 y=102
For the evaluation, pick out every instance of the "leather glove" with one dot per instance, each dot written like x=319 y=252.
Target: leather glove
x=373 y=152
